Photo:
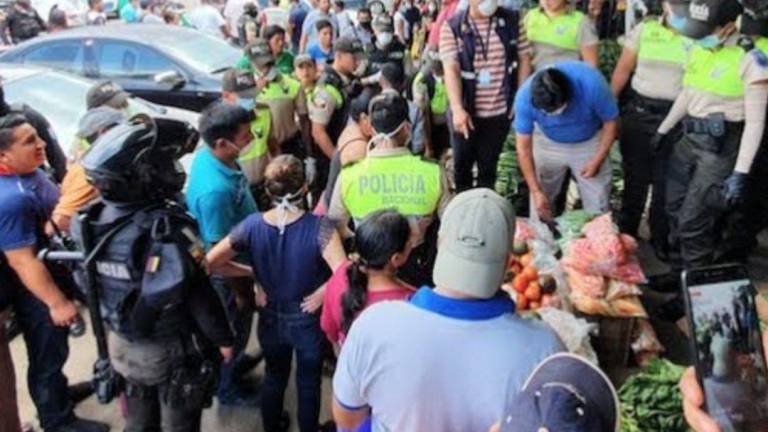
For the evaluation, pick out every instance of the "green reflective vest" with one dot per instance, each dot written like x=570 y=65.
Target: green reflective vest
x=715 y=71
x=260 y=128
x=561 y=31
x=406 y=183
x=658 y=43
x=284 y=87
x=438 y=100
x=762 y=44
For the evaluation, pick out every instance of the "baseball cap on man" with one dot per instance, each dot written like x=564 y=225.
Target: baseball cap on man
x=475 y=237
x=106 y=93
x=240 y=82
x=349 y=45
x=302 y=59
x=383 y=23
x=564 y=393
x=258 y=53
x=98 y=119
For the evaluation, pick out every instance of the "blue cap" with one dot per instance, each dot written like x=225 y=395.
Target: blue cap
x=564 y=393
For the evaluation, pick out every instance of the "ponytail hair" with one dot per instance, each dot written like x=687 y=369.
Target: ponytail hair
x=380 y=235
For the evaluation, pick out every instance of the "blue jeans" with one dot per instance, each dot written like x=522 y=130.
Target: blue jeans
x=283 y=329
x=47 y=350
x=241 y=321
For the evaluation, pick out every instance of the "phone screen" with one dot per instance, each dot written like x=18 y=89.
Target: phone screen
x=730 y=358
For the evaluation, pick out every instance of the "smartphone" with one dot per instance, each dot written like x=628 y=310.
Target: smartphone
x=727 y=342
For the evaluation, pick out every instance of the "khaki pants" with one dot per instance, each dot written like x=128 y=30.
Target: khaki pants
x=554 y=161
x=9 y=413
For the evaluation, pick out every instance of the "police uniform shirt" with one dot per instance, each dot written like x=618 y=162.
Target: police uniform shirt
x=338 y=211
x=322 y=105
x=543 y=53
x=661 y=76
x=285 y=99
x=752 y=69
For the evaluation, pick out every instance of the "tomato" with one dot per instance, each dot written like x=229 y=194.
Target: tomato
x=530 y=274
x=533 y=292
x=521 y=302
x=520 y=283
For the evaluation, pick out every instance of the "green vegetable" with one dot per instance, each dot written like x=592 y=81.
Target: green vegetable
x=651 y=400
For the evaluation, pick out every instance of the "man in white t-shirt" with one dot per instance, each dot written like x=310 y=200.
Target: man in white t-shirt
x=461 y=341
x=233 y=10
x=208 y=19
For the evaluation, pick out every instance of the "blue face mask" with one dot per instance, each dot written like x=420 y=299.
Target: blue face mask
x=676 y=22
x=709 y=42
x=247 y=104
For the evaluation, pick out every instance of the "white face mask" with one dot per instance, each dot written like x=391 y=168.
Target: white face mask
x=558 y=111
x=488 y=7
x=384 y=38
x=384 y=137
x=234 y=146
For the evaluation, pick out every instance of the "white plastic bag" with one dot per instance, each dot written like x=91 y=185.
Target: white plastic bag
x=573 y=332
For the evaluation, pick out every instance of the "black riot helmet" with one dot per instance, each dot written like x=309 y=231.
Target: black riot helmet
x=137 y=161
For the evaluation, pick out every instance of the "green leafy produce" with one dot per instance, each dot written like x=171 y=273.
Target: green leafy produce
x=509 y=178
x=651 y=400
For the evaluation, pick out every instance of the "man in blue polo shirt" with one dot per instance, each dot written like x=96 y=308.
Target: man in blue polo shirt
x=566 y=121
x=461 y=341
x=27 y=198
x=219 y=197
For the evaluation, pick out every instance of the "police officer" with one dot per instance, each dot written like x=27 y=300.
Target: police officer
x=654 y=55
x=23 y=22
x=722 y=105
x=557 y=32
x=239 y=88
x=392 y=177
x=329 y=107
x=745 y=224
x=155 y=296
x=286 y=102
x=384 y=47
x=428 y=92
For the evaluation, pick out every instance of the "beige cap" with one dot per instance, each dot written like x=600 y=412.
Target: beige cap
x=476 y=235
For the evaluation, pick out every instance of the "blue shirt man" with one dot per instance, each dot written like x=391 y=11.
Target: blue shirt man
x=565 y=121
x=218 y=194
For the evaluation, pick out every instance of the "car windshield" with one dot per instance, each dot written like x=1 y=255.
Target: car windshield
x=203 y=52
x=61 y=99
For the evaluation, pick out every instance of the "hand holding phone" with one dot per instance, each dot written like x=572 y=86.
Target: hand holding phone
x=693 y=399
x=729 y=357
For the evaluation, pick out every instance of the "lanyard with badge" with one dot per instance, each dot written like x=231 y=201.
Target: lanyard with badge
x=483 y=76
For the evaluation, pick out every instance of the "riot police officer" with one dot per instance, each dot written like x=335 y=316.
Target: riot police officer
x=392 y=177
x=722 y=105
x=155 y=296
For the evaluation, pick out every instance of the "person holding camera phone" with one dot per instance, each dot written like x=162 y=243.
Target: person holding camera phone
x=693 y=399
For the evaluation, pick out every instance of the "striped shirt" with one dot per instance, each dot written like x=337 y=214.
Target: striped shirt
x=490 y=101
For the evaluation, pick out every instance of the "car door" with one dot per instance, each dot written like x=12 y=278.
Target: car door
x=134 y=66
x=61 y=54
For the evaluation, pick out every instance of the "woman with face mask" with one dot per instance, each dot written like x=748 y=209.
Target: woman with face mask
x=385 y=46
x=654 y=57
x=722 y=109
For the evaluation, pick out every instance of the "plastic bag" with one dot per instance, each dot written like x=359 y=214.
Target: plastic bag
x=585 y=284
x=627 y=307
x=573 y=332
x=571 y=223
x=523 y=230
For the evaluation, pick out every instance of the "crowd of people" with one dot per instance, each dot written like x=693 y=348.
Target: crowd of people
x=342 y=191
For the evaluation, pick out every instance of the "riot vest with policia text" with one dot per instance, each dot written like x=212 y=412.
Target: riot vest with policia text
x=505 y=23
x=407 y=183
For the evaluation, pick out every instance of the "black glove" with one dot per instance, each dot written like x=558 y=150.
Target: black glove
x=656 y=142
x=735 y=189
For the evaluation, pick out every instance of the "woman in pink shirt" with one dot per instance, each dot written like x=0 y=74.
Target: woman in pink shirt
x=383 y=246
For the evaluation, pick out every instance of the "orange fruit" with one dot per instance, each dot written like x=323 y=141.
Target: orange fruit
x=520 y=283
x=530 y=274
x=533 y=292
x=521 y=302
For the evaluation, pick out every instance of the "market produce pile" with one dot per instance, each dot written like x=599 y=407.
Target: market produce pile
x=598 y=274
x=651 y=401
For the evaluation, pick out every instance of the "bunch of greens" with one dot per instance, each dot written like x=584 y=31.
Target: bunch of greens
x=651 y=400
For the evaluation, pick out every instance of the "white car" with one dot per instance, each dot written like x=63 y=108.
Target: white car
x=60 y=97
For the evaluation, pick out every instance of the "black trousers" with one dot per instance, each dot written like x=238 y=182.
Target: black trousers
x=644 y=170
x=697 y=168
x=482 y=148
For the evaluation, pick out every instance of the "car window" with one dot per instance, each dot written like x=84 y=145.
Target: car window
x=60 y=55
x=127 y=59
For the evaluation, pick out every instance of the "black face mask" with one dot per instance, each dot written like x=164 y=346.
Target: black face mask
x=366 y=25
